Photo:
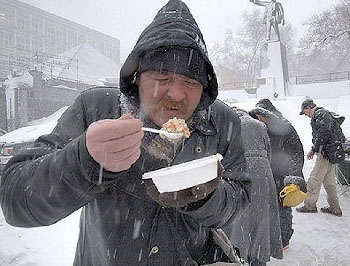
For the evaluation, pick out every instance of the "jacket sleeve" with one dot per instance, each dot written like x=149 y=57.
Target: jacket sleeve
x=233 y=193
x=43 y=185
x=223 y=206
x=296 y=153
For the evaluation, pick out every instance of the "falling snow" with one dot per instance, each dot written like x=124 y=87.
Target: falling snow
x=319 y=239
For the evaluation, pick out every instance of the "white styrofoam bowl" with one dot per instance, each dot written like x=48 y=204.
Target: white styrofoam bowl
x=185 y=175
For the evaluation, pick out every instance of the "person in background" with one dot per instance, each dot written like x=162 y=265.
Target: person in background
x=95 y=157
x=287 y=158
x=256 y=233
x=325 y=130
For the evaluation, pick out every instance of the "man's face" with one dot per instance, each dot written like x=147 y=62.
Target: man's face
x=262 y=118
x=165 y=95
x=307 y=111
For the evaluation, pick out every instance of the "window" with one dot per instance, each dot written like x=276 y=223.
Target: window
x=81 y=38
x=22 y=42
x=61 y=36
x=22 y=23
x=5 y=38
x=4 y=62
x=100 y=46
x=72 y=39
x=37 y=45
x=4 y=18
x=37 y=27
x=50 y=33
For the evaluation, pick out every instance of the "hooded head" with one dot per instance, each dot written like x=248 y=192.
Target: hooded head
x=267 y=105
x=172 y=42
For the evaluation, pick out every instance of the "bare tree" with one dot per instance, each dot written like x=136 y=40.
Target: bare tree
x=326 y=44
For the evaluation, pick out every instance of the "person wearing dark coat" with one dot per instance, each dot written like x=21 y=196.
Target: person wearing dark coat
x=256 y=233
x=95 y=157
x=287 y=158
x=326 y=131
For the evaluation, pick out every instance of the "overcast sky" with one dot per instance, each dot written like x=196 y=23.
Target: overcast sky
x=125 y=19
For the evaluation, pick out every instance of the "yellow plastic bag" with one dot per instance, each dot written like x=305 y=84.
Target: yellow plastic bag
x=292 y=195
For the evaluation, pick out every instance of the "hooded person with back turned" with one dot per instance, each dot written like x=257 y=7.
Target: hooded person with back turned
x=95 y=157
x=256 y=233
x=287 y=159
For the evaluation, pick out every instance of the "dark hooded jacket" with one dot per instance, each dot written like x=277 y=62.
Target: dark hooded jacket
x=287 y=157
x=325 y=129
x=120 y=224
x=287 y=152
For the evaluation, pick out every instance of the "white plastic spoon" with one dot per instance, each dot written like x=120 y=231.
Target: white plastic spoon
x=168 y=135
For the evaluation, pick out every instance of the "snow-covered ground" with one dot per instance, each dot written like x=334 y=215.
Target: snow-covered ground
x=319 y=239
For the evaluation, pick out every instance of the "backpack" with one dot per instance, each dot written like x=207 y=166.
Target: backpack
x=334 y=150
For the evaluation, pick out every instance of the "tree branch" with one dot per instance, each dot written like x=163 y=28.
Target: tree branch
x=335 y=36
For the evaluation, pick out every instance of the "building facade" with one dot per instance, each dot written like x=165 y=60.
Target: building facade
x=29 y=36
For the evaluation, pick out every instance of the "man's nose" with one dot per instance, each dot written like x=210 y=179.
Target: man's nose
x=176 y=90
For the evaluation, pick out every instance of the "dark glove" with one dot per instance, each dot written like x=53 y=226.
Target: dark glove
x=183 y=197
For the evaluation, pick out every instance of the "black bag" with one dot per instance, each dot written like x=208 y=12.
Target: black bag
x=335 y=152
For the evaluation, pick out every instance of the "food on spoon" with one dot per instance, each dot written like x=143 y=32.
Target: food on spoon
x=175 y=125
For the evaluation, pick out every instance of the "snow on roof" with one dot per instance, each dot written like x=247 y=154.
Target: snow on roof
x=64 y=87
x=15 y=82
x=83 y=63
x=87 y=65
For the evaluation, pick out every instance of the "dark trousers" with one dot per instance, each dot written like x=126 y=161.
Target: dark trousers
x=257 y=263
x=286 y=219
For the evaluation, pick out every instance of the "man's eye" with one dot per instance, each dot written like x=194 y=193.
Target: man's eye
x=191 y=84
x=162 y=81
